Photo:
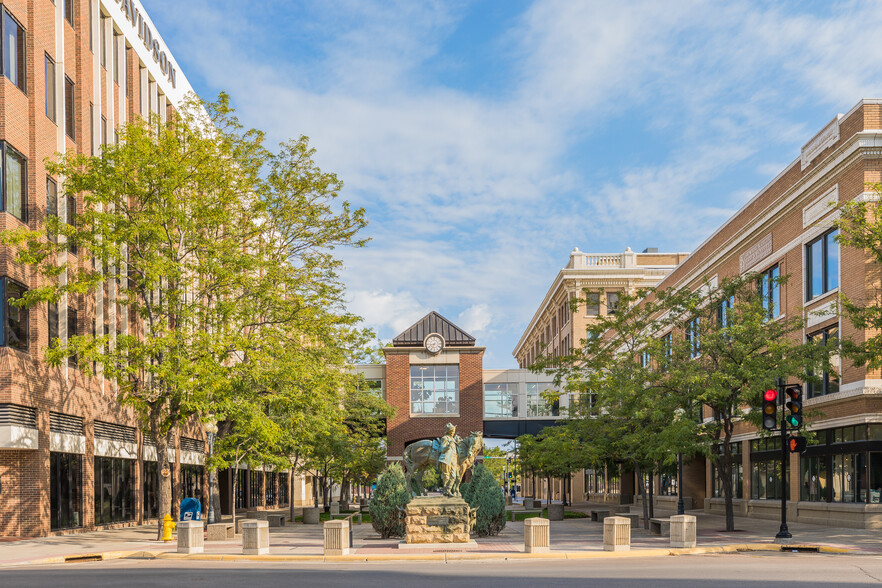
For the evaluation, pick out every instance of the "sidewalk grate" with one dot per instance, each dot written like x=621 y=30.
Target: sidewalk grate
x=800 y=549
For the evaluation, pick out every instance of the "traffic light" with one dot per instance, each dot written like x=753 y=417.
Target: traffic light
x=770 y=410
x=794 y=392
x=797 y=444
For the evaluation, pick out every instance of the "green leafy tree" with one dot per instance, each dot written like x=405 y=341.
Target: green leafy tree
x=484 y=493
x=736 y=349
x=217 y=251
x=388 y=502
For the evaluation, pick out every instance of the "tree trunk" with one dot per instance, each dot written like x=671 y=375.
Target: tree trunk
x=163 y=468
x=344 y=492
x=726 y=475
x=235 y=491
x=642 y=495
x=651 y=505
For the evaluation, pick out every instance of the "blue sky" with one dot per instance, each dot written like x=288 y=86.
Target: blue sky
x=486 y=139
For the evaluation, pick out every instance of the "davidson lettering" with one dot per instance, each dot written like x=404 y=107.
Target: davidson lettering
x=131 y=12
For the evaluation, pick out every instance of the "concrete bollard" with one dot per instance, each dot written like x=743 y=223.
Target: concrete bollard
x=311 y=515
x=337 y=537
x=190 y=538
x=616 y=534
x=536 y=536
x=683 y=531
x=255 y=537
x=220 y=532
x=335 y=508
x=508 y=500
x=555 y=512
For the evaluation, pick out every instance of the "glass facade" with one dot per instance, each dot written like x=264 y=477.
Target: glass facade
x=65 y=490
x=434 y=389
x=500 y=400
x=843 y=465
x=537 y=405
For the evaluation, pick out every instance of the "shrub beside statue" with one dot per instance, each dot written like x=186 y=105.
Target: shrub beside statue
x=483 y=492
x=388 y=502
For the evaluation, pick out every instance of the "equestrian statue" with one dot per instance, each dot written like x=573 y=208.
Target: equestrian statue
x=450 y=455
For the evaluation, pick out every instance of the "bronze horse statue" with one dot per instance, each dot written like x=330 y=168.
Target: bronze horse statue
x=421 y=455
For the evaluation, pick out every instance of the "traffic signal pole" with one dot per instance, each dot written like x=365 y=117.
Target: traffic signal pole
x=783 y=532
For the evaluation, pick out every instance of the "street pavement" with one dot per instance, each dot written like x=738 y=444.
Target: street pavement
x=578 y=537
x=701 y=571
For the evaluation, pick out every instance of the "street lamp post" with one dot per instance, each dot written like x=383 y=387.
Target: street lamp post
x=211 y=431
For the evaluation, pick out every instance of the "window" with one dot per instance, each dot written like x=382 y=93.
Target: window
x=13 y=50
x=270 y=491
x=51 y=105
x=667 y=483
x=500 y=400
x=103 y=131
x=848 y=482
x=537 y=405
x=829 y=382
x=693 y=337
x=14 y=182
x=668 y=346
x=69 y=118
x=91 y=129
x=51 y=197
x=192 y=477
x=241 y=480
x=592 y=303
x=612 y=302
x=52 y=311
x=69 y=11
x=72 y=221
x=821 y=265
x=737 y=472
x=283 y=489
x=65 y=490
x=15 y=333
x=115 y=56
x=725 y=312
x=102 y=42
x=765 y=469
x=813 y=478
x=770 y=291
x=254 y=495
x=434 y=389
x=645 y=359
x=71 y=332
x=114 y=490
x=150 y=489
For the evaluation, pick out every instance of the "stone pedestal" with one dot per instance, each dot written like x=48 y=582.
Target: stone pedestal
x=436 y=519
x=537 y=536
x=255 y=537
x=555 y=512
x=220 y=532
x=683 y=531
x=190 y=539
x=616 y=534
x=337 y=537
x=311 y=515
x=335 y=508
x=508 y=500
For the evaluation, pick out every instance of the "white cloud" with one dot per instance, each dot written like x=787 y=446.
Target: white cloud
x=475 y=319
x=387 y=313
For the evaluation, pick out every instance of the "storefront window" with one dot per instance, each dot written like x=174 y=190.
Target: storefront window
x=254 y=497
x=150 y=489
x=65 y=490
x=192 y=477
x=848 y=478
x=270 y=488
x=283 y=489
x=114 y=490
x=813 y=478
x=241 y=481
x=737 y=473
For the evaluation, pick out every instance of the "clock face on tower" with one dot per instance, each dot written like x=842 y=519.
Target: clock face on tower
x=434 y=343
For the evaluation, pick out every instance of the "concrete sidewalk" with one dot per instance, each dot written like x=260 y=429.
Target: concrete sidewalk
x=570 y=538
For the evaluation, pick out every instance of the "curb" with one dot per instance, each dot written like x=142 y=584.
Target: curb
x=442 y=557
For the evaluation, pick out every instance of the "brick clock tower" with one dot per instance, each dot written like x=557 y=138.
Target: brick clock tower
x=434 y=376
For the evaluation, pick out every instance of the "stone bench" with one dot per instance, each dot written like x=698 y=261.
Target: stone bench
x=276 y=520
x=515 y=512
x=633 y=517
x=597 y=516
x=220 y=532
x=661 y=527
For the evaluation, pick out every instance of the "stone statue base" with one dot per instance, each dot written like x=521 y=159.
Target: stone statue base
x=437 y=519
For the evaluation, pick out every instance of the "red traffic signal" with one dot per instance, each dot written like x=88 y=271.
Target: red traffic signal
x=770 y=409
x=797 y=444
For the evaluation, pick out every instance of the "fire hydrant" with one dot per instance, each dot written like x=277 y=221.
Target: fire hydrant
x=168 y=525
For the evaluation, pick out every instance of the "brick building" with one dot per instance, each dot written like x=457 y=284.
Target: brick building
x=71 y=457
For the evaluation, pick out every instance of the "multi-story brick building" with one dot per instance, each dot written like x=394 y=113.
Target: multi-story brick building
x=71 y=457
x=596 y=280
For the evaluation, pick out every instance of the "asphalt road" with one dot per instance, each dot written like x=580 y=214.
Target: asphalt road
x=706 y=571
